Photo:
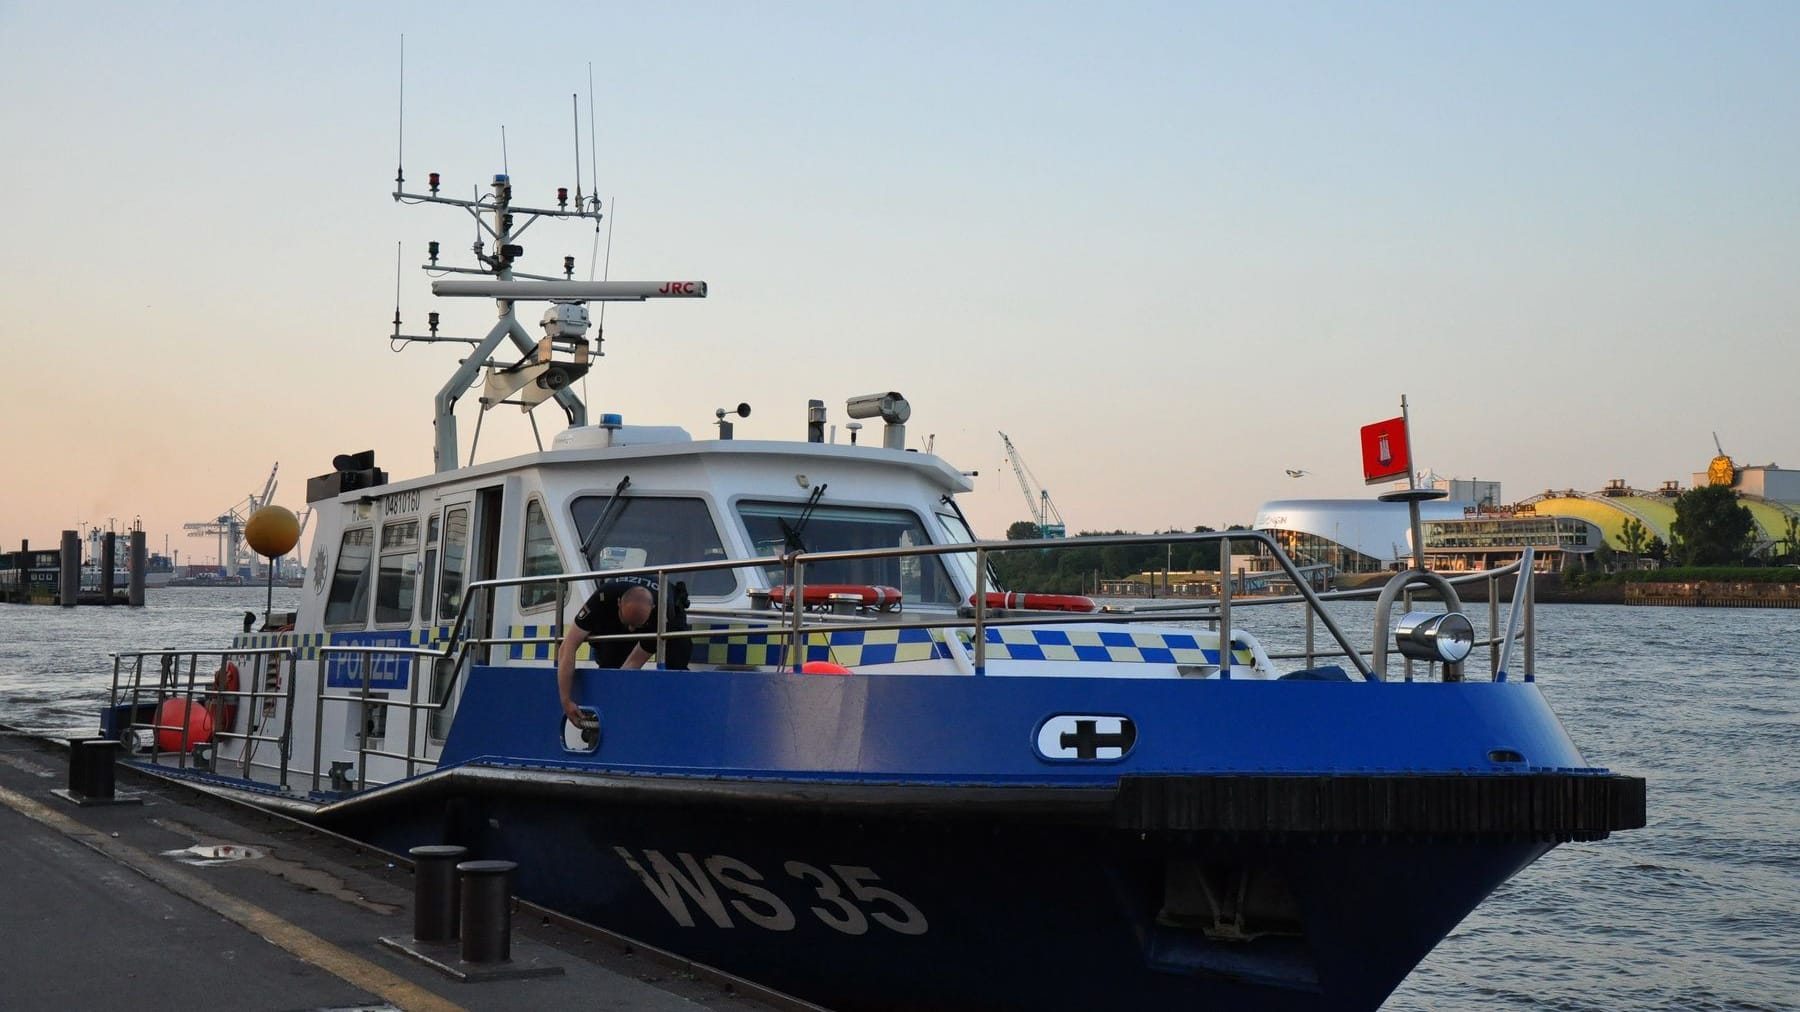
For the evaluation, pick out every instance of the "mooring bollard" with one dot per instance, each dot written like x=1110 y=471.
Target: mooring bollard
x=486 y=911
x=435 y=901
x=91 y=768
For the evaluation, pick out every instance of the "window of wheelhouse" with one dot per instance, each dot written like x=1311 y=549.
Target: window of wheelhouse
x=349 y=600
x=922 y=579
x=428 y=572
x=456 y=563
x=641 y=531
x=541 y=558
x=957 y=532
x=396 y=583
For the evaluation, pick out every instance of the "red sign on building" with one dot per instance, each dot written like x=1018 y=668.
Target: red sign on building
x=1384 y=451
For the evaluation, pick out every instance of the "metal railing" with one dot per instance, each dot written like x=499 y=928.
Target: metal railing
x=461 y=648
x=269 y=700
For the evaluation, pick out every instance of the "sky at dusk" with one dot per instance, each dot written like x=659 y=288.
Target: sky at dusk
x=1172 y=250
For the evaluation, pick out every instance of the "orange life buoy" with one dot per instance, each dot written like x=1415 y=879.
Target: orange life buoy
x=223 y=705
x=1039 y=602
x=819 y=594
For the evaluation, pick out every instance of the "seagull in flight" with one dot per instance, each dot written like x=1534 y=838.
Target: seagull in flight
x=1294 y=473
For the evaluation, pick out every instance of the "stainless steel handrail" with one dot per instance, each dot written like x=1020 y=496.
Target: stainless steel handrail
x=460 y=648
x=170 y=684
x=796 y=563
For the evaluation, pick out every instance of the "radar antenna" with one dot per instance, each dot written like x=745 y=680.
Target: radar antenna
x=550 y=363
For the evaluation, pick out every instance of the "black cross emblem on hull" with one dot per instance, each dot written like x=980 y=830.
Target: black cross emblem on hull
x=1087 y=739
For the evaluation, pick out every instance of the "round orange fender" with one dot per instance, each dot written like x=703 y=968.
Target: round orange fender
x=823 y=668
x=1039 y=602
x=176 y=715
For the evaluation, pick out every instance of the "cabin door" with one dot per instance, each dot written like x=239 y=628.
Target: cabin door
x=461 y=546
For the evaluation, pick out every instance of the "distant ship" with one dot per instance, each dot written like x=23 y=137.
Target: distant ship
x=158 y=572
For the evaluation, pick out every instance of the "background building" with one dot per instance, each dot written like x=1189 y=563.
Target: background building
x=1473 y=529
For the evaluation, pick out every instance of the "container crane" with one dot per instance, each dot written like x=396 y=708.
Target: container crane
x=228 y=526
x=1037 y=498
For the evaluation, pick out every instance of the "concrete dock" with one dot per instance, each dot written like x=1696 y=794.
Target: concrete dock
x=178 y=900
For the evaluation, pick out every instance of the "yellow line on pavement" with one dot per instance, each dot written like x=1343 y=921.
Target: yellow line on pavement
x=300 y=942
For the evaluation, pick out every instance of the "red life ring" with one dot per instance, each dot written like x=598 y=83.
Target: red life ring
x=1039 y=602
x=223 y=706
x=819 y=594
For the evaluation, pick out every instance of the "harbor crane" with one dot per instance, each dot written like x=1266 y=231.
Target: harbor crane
x=228 y=526
x=1037 y=498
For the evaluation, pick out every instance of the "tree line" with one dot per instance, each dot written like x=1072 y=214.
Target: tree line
x=1076 y=570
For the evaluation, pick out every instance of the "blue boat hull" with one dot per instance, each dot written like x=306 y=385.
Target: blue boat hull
x=942 y=867
x=970 y=913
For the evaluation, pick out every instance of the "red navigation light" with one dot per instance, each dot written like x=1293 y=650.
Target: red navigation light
x=569 y=266
x=433 y=180
x=562 y=196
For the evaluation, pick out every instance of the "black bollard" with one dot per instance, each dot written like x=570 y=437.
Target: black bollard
x=486 y=911
x=435 y=901
x=91 y=768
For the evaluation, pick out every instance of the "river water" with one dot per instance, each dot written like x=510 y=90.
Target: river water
x=1699 y=911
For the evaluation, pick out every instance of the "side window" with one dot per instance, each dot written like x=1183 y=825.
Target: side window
x=428 y=573
x=456 y=563
x=349 y=600
x=396 y=586
x=653 y=531
x=540 y=558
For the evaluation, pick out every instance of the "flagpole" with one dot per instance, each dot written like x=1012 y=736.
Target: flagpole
x=1412 y=494
x=1412 y=484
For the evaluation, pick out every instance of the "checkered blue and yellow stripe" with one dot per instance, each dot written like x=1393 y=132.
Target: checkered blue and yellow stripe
x=734 y=647
x=850 y=647
x=1026 y=643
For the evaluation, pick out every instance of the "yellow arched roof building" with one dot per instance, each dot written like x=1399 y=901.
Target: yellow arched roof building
x=1608 y=511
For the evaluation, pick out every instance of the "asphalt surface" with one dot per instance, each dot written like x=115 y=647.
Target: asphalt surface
x=182 y=901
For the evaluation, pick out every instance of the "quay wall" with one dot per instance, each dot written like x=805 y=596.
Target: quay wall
x=1671 y=594
x=1714 y=594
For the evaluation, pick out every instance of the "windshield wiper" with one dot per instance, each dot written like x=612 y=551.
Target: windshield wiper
x=603 y=523
x=791 y=533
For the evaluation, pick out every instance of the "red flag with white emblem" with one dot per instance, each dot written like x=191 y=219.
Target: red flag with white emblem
x=1384 y=451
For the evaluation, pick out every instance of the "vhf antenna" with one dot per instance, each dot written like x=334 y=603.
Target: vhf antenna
x=575 y=116
x=593 y=155
x=400 y=148
x=397 y=255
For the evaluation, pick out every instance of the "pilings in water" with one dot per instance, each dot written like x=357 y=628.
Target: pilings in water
x=134 y=594
x=54 y=576
x=109 y=557
x=69 y=570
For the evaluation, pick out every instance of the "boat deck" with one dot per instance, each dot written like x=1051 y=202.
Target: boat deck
x=103 y=911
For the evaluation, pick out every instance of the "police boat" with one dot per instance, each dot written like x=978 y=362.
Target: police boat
x=883 y=781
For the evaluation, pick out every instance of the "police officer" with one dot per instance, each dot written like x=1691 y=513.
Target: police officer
x=625 y=605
